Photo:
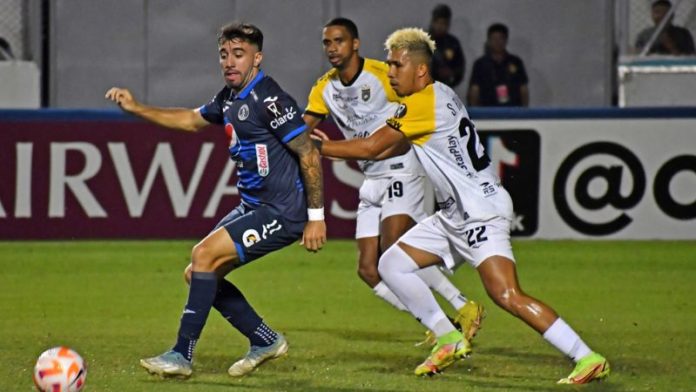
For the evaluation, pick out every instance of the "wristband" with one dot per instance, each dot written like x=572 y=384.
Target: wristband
x=315 y=214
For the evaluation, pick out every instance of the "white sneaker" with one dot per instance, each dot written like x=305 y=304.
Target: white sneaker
x=169 y=364
x=257 y=355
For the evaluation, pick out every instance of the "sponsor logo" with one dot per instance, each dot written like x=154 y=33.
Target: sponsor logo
x=262 y=163
x=613 y=175
x=514 y=155
x=250 y=237
x=270 y=228
x=444 y=205
x=365 y=93
x=488 y=189
x=227 y=105
x=392 y=122
x=290 y=113
x=625 y=185
x=243 y=112
x=401 y=111
x=456 y=150
x=396 y=166
x=273 y=107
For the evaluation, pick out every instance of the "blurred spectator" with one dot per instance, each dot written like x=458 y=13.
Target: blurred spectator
x=448 y=60
x=673 y=40
x=5 y=50
x=498 y=77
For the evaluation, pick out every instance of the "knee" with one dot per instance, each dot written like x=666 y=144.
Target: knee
x=202 y=258
x=395 y=261
x=508 y=299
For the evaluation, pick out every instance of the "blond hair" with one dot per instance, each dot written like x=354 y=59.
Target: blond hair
x=412 y=39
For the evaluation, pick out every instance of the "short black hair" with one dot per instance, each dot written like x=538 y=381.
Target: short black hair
x=344 y=22
x=442 y=11
x=498 y=28
x=244 y=31
x=666 y=3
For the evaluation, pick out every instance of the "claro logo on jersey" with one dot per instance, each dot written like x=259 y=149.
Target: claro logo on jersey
x=279 y=114
x=262 y=164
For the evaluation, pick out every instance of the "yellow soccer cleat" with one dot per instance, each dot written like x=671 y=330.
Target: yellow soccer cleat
x=589 y=368
x=468 y=319
x=444 y=355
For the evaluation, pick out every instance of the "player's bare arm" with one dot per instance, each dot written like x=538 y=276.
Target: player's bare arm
x=311 y=122
x=387 y=142
x=310 y=166
x=176 y=118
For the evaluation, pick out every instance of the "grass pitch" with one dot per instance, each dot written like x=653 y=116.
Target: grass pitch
x=115 y=302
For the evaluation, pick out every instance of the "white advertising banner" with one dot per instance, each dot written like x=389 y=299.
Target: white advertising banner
x=627 y=178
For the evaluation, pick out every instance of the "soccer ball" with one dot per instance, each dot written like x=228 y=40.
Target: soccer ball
x=59 y=369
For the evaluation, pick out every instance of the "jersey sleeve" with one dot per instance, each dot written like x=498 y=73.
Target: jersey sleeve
x=415 y=116
x=213 y=110
x=316 y=105
x=281 y=116
x=380 y=69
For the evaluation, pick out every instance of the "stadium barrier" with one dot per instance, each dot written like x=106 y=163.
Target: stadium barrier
x=572 y=173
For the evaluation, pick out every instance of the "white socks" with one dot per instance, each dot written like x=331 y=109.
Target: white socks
x=561 y=336
x=398 y=271
x=436 y=280
x=382 y=291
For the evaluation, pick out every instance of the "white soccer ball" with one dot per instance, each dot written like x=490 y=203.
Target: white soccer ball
x=59 y=369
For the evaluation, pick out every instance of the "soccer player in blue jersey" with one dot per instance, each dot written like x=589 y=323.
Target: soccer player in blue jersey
x=280 y=183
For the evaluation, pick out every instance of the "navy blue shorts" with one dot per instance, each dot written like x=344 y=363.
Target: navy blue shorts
x=258 y=232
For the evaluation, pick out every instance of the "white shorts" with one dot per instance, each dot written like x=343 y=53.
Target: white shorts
x=472 y=243
x=383 y=197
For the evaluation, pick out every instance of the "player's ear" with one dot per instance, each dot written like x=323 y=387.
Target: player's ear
x=356 y=44
x=258 y=56
x=422 y=70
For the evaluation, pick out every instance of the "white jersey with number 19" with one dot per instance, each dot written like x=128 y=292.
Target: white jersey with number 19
x=447 y=145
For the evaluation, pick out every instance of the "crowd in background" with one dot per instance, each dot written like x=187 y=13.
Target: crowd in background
x=499 y=78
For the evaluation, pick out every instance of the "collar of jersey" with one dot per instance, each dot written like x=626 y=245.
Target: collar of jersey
x=357 y=74
x=248 y=88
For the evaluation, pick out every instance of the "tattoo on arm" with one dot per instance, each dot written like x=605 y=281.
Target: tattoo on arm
x=310 y=166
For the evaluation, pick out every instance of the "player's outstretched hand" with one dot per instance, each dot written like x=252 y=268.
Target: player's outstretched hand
x=314 y=236
x=318 y=134
x=122 y=97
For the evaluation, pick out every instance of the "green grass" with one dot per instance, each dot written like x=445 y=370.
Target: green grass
x=118 y=301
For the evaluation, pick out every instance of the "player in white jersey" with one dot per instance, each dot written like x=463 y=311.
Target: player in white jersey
x=356 y=93
x=473 y=223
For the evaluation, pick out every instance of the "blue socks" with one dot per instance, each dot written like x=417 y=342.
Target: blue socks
x=230 y=302
x=208 y=291
x=200 y=300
